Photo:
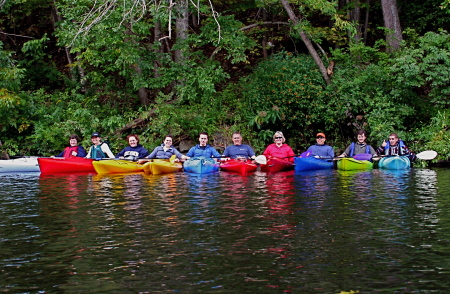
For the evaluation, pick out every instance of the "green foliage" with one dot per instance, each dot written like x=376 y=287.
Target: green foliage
x=10 y=74
x=284 y=93
x=225 y=36
x=41 y=71
x=424 y=67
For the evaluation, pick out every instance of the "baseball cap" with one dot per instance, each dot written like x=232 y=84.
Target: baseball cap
x=320 y=135
x=95 y=135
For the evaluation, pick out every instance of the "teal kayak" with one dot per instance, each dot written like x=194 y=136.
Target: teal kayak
x=394 y=162
x=200 y=165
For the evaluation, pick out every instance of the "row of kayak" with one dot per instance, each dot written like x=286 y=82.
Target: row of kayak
x=193 y=165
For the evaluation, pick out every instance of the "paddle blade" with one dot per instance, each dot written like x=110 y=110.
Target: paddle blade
x=172 y=158
x=363 y=156
x=427 y=155
x=305 y=154
x=261 y=159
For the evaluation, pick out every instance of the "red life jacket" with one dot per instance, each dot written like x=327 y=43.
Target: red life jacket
x=68 y=151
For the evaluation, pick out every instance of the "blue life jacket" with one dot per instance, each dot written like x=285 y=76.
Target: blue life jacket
x=97 y=152
x=401 y=146
x=352 y=149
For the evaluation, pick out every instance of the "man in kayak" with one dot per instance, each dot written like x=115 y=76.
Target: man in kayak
x=134 y=150
x=99 y=149
x=359 y=147
x=73 y=150
x=166 y=150
x=279 y=149
x=320 y=149
x=203 y=149
x=239 y=150
x=395 y=146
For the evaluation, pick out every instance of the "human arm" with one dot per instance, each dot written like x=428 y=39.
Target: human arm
x=88 y=155
x=81 y=151
x=107 y=151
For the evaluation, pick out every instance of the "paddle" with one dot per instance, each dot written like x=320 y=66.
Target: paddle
x=427 y=155
x=172 y=159
x=261 y=159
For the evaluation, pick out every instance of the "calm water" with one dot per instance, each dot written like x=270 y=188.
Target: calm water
x=311 y=232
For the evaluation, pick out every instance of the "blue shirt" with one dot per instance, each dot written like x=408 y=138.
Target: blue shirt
x=205 y=151
x=321 y=150
x=235 y=151
x=159 y=153
x=133 y=152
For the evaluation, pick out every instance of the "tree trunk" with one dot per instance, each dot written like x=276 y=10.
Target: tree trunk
x=307 y=42
x=264 y=40
x=392 y=23
x=182 y=27
x=355 y=16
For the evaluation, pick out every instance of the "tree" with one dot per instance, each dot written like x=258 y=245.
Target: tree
x=392 y=24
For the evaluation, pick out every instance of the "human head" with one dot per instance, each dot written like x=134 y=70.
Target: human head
x=362 y=136
x=393 y=139
x=168 y=141
x=133 y=140
x=73 y=140
x=320 y=138
x=203 y=138
x=237 y=138
x=278 y=137
x=95 y=138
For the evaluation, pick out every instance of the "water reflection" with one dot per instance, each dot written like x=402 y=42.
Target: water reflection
x=309 y=232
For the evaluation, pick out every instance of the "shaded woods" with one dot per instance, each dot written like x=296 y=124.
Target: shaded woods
x=161 y=67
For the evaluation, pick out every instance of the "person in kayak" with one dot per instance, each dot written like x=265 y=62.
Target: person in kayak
x=394 y=147
x=166 y=150
x=134 y=150
x=320 y=149
x=239 y=150
x=99 y=149
x=73 y=150
x=359 y=147
x=279 y=149
x=203 y=149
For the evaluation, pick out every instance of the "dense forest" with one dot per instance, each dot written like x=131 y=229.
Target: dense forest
x=157 y=67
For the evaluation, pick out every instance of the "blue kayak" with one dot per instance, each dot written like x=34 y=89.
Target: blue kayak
x=311 y=163
x=394 y=162
x=200 y=165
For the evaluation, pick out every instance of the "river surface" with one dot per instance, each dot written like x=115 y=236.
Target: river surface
x=311 y=232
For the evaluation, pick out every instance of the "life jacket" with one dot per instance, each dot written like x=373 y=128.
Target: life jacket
x=401 y=148
x=352 y=149
x=68 y=151
x=97 y=152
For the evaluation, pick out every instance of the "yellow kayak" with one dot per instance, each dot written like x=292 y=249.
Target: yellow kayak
x=162 y=166
x=117 y=166
x=349 y=163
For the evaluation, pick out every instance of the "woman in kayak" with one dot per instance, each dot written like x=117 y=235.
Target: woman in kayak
x=166 y=150
x=99 y=149
x=279 y=149
x=134 y=150
x=73 y=150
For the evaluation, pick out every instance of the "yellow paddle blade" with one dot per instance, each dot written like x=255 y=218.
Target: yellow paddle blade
x=172 y=158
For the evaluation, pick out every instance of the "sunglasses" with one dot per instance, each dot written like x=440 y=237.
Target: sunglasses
x=320 y=137
x=278 y=137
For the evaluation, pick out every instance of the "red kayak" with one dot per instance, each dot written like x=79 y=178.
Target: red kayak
x=275 y=164
x=65 y=165
x=238 y=166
